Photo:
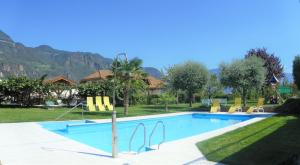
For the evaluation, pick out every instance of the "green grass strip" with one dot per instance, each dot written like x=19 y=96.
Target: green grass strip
x=270 y=141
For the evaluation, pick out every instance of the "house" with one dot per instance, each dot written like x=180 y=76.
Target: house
x=98 y=75
x=59 y=80
x=155 y=85
x=61 y=92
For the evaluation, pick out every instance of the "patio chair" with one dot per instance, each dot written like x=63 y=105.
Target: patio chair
x=107 y=104
x=258 y=107
x=90 y=104
x=99 y=103
x=237 y=106
x=215 y=106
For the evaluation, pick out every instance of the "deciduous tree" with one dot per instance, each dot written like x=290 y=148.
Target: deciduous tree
x=166 y=98
x=96 y=88
x=21 y=90
x=272 y=63
x=189 y=77
x=213 y=86
x=244 y=75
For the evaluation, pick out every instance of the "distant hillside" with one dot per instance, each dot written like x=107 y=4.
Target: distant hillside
x=18 y=59
x=153 y=72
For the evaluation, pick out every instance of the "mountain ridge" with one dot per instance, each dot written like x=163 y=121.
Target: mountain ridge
x=20 y=60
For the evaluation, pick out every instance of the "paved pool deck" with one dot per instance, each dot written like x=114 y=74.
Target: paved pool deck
x=30 y=144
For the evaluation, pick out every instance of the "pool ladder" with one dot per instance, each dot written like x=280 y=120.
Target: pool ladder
x=150 y=137
x=131 y=138
x=164 y=133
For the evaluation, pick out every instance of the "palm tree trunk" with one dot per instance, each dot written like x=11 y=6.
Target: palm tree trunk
x=126 y=101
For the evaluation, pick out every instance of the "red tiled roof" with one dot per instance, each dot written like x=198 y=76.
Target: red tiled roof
x=153 y=82
x=98 y=75
x=59 y=79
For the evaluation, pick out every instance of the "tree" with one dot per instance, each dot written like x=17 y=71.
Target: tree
x=130 y=78
x=272 y=63
x=2 y=91
x=166 y=98
x=169 y=85
x=212 y=87
x=96 y=88
x=23 y=90
x=189 y=77
x=244 y=75
x=137 y=91
x=296 y=71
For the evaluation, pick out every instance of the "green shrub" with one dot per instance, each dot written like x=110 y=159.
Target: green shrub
x=96 y=88
x=166 y=99
x=23 y=90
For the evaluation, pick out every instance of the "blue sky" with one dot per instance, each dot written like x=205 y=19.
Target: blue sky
x=161 y=32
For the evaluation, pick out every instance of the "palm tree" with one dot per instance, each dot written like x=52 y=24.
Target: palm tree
x=130 y=77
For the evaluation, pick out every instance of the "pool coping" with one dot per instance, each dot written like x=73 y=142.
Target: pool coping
x=182 y=151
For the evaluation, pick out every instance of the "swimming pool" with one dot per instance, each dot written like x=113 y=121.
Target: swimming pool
x=98 y=135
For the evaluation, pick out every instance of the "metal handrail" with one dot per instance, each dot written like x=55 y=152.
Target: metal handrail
x=164 y=133
x=131 y=138
x=60 y=116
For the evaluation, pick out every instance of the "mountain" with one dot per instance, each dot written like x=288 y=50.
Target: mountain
x=153 y=72
x=18 y=59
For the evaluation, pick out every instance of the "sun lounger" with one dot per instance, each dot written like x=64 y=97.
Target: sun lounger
x=90 y=104
x=107 y=104
x=215 y=106
x=237 y=106
x=99 y=103
x=258 y=107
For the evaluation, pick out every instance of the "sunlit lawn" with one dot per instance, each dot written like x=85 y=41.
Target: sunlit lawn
x=40 y=114
x=271 y=141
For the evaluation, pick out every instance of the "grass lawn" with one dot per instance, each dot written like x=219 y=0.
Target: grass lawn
x=271 y=141
x=38 y=114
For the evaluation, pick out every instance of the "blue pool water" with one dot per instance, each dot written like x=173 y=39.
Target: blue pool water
x=99 y=135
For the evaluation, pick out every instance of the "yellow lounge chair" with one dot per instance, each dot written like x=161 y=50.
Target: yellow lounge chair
x=258 y=107
x=215 y=106
x=236 y=106
x=99 y=103
x=107 y=103
x=90 y=104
